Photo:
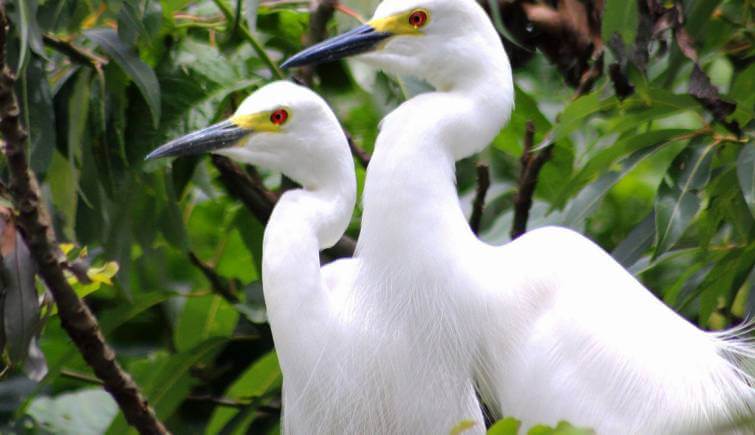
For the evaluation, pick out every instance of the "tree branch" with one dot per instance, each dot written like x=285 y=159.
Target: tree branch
x=219 y=284
x=75 y=316
x=483 y=184
x=78 y=54
x=361 y=155
x=260 y=201
x=532 y=163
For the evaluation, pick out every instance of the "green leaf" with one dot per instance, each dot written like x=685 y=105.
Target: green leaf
x=678 y=204
x=78 y=113
x=574 y=114
x=25 y=17
x=507 y=426
x=620 y=17
x=139 y=72
x=724 y=279
x=639 y=241
x=563 y=428
x=463 y=426
x=603 y=160
x=130 y=25
x=38 y=105
x=746 y=175
x=86 y=411
x=587 y=201
x=510 y=138
x=21 y=304
x=170 y=382
x=63 y=191
x=202 y=318
x=258 y=380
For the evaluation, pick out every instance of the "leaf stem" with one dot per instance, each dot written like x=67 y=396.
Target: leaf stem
x=277 y=73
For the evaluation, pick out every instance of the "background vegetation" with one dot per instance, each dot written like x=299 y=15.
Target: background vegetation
x=640 y=114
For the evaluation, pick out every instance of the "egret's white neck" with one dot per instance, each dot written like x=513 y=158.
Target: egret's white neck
x=410 y=202
x=322 y=208
x=304 y=222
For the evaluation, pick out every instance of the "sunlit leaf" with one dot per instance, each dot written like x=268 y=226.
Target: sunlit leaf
x=103 y=274
x=507 y=426
x=86 y=411
x=562 y=428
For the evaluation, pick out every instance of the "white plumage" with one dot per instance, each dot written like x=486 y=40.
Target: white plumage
x=398 y=340
x=548 y=327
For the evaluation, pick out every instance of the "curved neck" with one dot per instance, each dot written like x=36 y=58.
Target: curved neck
x=304 y=222
x=410 y=202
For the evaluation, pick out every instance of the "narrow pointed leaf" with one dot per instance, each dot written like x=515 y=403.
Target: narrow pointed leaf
x=204 y=317
x=259 y=379
x=639 y=241
x=21 y=307
x=41 y=113
x=139 y=72
x=678 y=204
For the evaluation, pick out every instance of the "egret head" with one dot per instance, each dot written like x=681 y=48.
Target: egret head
x=436 y=40
x=282 y=127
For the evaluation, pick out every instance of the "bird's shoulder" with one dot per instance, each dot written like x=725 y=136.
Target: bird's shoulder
x=339 y=275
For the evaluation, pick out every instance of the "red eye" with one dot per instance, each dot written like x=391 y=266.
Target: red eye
x=279 y=117
x=418 y=19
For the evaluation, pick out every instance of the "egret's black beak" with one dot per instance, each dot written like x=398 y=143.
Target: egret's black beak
x=360 y=40
x=223 y=135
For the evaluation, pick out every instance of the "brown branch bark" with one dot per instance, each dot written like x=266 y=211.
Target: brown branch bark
x=227 y=290
x=478 y=206
x=76 y=53
x=260 y=201
x=75 y=317
x=532 y=164
x=362 y=156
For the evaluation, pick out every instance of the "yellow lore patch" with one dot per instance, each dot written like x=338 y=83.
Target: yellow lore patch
x=399 y=24
x=258 y=122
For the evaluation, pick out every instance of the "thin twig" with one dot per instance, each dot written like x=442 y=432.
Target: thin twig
x=483 y=185
x=532 y=163
x=75 y=317
x=219 y=401
x=277 y=73
x=74 y=52
x=219 y=285
x=362 y=156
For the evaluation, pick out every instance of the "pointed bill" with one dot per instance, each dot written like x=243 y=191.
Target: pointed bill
x=360 y=40
x=223 y=135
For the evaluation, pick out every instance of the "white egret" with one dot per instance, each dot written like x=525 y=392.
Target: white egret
x=550 y=326
x=288 y=128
